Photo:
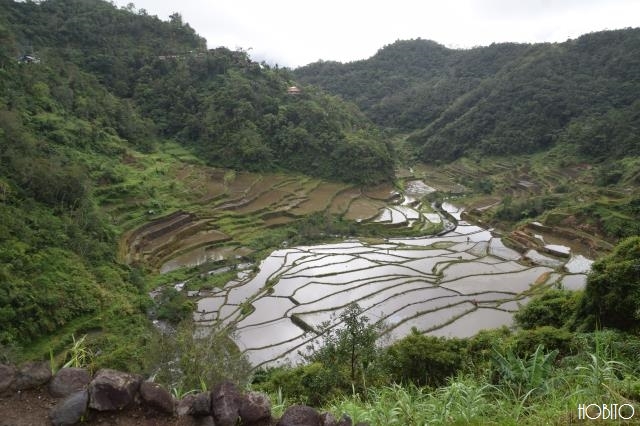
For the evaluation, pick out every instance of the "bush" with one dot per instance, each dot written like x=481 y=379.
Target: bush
x=612 y=295
x=425 y=360
x=312 y=384
x=560 y=339
x=553 y=308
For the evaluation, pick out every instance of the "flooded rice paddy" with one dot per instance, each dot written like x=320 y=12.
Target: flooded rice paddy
x=455 y=283
x=451 y=285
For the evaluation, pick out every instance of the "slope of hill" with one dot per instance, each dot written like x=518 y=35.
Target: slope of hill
x=231 y=110
x=500 y=99
x=86 y=90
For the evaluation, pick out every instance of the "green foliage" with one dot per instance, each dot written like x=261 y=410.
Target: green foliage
x=312 y=383
x=529 y=207
x=525 y=375
x=79 y=355
x=612 y=295
x=554 y=308
x=193 y=357
x=501 y=99
x=173 y=305
x=424 y=360
x=347 y=352
x=352 y=344
x=560 y=339
x=344 y=360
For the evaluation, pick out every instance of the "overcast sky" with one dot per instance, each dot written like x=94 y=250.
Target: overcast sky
x=294 y=33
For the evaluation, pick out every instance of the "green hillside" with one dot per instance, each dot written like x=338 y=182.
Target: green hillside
x=92 y=99
x=501 y=99
x=130 y=154
x=230 y=110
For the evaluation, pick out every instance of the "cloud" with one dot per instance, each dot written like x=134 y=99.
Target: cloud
x=293 y=33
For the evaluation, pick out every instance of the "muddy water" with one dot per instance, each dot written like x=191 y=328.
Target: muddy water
x=202 y=255
x=451 y=285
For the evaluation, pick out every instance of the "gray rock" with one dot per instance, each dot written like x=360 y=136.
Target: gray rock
x=205 y=421
x=254 y=407
x=69 y=380
x=201 y=404
x=185 y=405
x=7 y=376
x=70 y=410
x=300 y=415
x=112 y=390
x=157 y=397
x=328 y=419
x=31 y=375
x=345 y=421
x=225 y=404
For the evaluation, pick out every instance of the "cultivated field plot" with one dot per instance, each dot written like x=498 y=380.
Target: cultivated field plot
x=233 y=209
x=451 y=285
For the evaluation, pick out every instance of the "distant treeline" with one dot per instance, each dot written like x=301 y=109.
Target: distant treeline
x=501 y=99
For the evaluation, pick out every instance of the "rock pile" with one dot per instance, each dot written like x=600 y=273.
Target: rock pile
x=111 y=390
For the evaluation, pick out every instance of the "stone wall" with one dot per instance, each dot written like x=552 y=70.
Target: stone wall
x=79 y=394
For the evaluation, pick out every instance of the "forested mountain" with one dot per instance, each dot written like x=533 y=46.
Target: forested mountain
x=85 y=87
x=501 y=99
x=233 y=111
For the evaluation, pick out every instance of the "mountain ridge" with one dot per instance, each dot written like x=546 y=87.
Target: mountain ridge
x=501 y=99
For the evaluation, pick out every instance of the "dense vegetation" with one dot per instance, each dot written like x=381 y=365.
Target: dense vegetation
x=501 y=99
x=232 y=111
x=84 y=86
x=92 y=121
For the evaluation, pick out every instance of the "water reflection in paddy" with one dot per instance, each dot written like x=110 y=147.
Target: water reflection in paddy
x=574 y=282
x=474 y=321
x=450 y=285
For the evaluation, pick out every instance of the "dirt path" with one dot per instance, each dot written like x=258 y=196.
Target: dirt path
x=31 y=408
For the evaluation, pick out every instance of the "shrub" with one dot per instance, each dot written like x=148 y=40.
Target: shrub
x=425 y=360
x=553 y=308
x=612 y=295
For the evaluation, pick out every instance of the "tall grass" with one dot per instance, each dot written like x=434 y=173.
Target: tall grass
x=529 y=390
x=464 y=400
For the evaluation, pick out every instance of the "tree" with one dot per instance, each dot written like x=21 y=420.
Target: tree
x=350 y=346
x=176 y=19
x=612 y=295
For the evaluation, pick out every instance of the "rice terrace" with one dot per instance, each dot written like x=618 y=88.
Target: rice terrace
x=421 y=234
x=444 y=277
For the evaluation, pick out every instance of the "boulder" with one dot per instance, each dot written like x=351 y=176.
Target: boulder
x=31 y=375
x=201 y=404
x=328 y=419
x=7 y=377
x=205 y=421
x=254 y=407
x=300 y=415
x=185 y=405
x=345 y=421
x=68 y=381
x=225 y=404
x=112 y=390
x=70 y=410
x=157 y=397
